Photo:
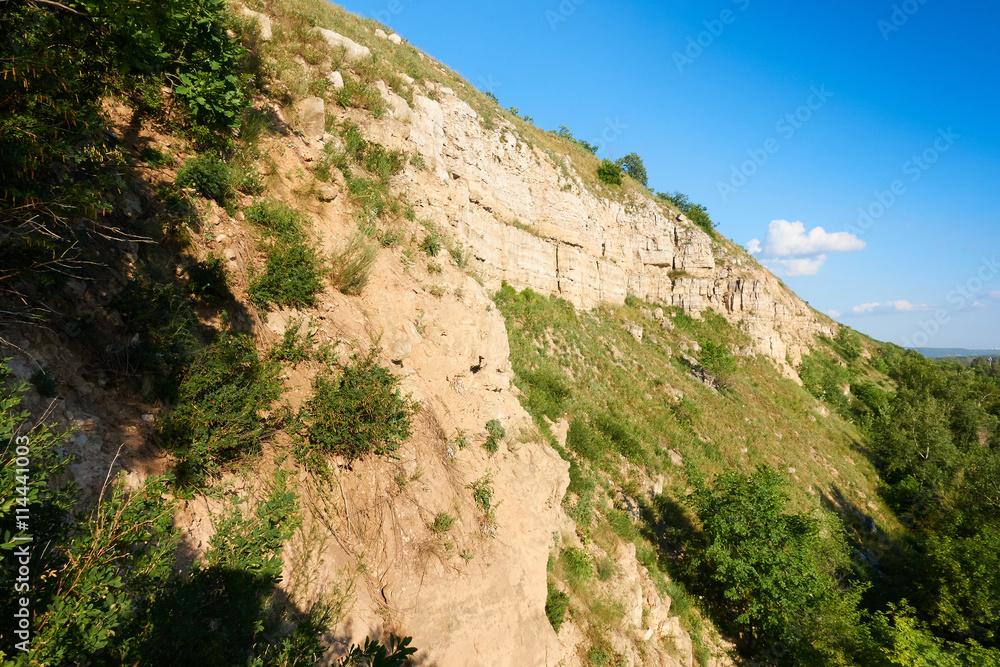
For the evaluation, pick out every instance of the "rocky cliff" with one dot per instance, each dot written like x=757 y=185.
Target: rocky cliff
x=530 y=221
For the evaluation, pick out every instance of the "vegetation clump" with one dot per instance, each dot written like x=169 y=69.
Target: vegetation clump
x=216 y=419
x=208 y=176
x=609 y=173
x=362 y=411
x=293 y=270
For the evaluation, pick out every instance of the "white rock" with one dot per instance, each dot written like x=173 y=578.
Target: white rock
x=262 y=20
x=381 y=33
x=337 y=79
x=395 y=39
x=355 y=51
x=312 y=115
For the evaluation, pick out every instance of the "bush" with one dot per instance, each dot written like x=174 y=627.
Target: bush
x=209 y=176
x=546 y=391
x=349 y=270
x=556 y=604
x=719 y=361
x=609 y=173
x=361 y=412
x=293 y=347
x=431 y=244
x=696 y=213
x=291 y=276
x=443 y=523
x=495 y=432
x=208 y=282
x=216 y=419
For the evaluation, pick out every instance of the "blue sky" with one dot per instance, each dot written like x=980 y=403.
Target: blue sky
x=772 y=114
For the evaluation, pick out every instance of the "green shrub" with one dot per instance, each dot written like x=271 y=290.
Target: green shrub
x=361 y=412
x=482 y=492
x=443 y=523
x=606 y=568
x=719 y=361
x=208 y=281
x=350 y=268
x=209 y=176
x=44 y=383
x=621 y=436
x=431 y=244
x=293 y=347
x=291 y=276
x=696 y=213
x=609 y=172
x=495 y=433
x=556 y=604
x=216 y=419
x=276 y=219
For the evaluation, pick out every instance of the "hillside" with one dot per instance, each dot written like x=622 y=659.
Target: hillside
x=314 y=343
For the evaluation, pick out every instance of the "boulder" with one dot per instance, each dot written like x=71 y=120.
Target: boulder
x=395 y=39
x=262 y=21
x=354 y=50
x=312 y=115
x=337 y=79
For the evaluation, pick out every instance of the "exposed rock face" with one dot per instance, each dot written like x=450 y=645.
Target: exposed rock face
x=354 y=50
x=312 y=114
x=263 y=21
x=585 y=249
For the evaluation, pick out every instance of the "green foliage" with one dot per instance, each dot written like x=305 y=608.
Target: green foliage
x=350 y=268
x=719 y=361
x=609 y=173
x=759 y=566
x=443 y=523
x=44 y=383
x=577 y=565
x=495 y=433
x=431 y=244
x=216 y=419
x=583 y=441
x=482 y=492
x=208 y=281
x=208 y=176
x=295 y=346
x=546 y=389
x=826 y=379
x=374 y=654
x=632 y=165
x=556 y=604
x=362 y=411
x=621 y=435
x=696 y=213
x=158 y=334
x=565 y=133
x=292 y=274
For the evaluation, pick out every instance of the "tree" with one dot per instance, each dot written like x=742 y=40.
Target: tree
x=759 y=565
x=632 y=165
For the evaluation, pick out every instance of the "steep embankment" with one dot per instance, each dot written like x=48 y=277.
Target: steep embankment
x=460 y=546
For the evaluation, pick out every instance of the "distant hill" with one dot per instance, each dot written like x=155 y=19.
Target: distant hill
x=941 y=352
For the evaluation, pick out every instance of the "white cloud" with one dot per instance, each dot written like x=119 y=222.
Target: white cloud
x=789 y=249
x=833 y=313
x=900 y=306
x=801 y=266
